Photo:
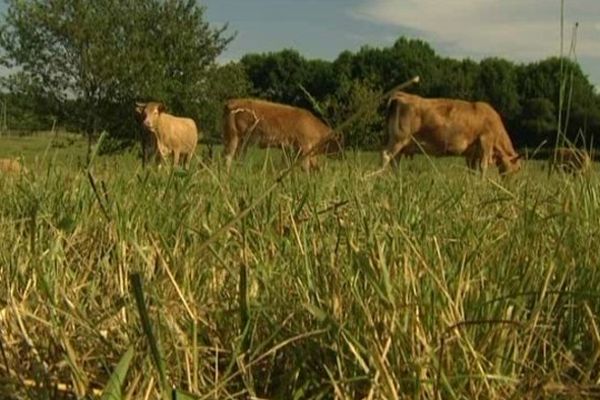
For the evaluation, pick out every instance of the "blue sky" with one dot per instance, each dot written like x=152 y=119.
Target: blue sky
x=519 y=30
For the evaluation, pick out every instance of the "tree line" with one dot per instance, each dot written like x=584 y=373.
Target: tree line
x=82 y=66
x=527 y=95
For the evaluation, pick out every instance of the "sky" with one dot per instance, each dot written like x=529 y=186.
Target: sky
x=519 y=30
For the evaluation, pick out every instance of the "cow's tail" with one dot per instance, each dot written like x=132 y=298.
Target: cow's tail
x=230 y=128
x=235 y=137
x=230 y=135
x=227 y=119
x=393 y=115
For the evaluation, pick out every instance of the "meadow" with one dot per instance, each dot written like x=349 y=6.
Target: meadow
x=428 y=282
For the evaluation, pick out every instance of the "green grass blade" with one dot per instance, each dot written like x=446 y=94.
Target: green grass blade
x=138 y=291
x=112 y=391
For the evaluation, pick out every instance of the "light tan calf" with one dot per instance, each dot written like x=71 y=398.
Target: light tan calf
x=171 y=135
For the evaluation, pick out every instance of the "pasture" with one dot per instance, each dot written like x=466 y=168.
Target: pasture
x=426 y=282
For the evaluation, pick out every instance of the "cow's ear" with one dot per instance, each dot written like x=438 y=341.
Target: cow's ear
x=161 y=108
x=139 y=107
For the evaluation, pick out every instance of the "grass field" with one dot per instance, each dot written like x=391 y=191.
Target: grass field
x=427 y=282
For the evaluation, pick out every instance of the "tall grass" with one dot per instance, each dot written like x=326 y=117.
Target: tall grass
x=425 y=283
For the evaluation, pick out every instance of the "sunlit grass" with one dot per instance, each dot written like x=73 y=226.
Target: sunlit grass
x=426 y=282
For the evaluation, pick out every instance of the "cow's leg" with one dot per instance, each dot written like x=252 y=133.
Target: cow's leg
x=470 y=161
x=158 y=158
x=185 y=160
x=175 y=159
x=230 y=150
x=485 y=160
x=396 y=160
x=306 y=163
x=393 y=149
x=310 y=163
x=473 y=156
x=162 y=154
x=486 y=150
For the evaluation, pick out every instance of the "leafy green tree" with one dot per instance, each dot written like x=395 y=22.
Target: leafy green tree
x=225 y=82
x=352 y=97
x=22 y=110
x=538 y=121
x=498 y=85
x=276 y=76
x=410 y=57
x=580 y=106
x=108 y=53
x=386 y=67
x=457 y=79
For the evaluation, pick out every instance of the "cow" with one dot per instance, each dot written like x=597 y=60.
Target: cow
x=571 y=160
x=146 y=137
x=271 y=124
x=11 y=166
x=169 y=135
x=449 y=127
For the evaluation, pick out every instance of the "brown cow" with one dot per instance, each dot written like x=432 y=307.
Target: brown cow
x=571 y=160
x=449 y=127
x=11 y=166
x=274 y=125
x=169 y=134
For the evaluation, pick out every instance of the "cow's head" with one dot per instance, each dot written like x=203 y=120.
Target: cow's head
x=509 y=165
x=148 y=113
x=333 y=146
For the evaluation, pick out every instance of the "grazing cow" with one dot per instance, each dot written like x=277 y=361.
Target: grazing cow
x=449 y=127
x=10 y=166
x=274 y=125
x=571 y=160
x=169 y=134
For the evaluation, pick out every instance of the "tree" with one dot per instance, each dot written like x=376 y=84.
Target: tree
x=538 y=121
x=386 y=67
x=458 y=79
x=25 y=111
x=276 y=75
x=107 y=53
x=498 y=85
x=355 y=96
x=408 y=58
x=580 y=112
x=225 y=82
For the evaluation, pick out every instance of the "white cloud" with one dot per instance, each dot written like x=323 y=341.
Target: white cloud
x=517 y=29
